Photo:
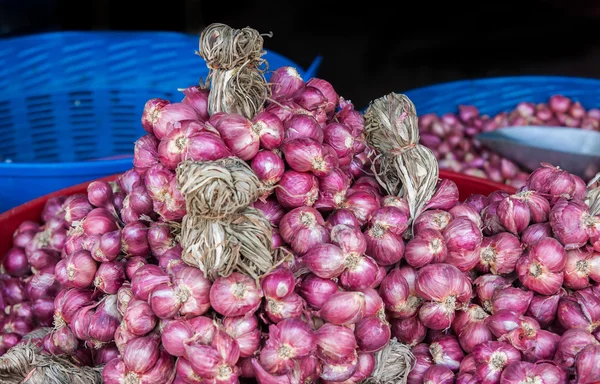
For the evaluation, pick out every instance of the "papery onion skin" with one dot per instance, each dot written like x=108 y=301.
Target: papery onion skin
x=523 y=372
x=541 y=267
x=586 y=364
x=438 y=374
x=571 y=343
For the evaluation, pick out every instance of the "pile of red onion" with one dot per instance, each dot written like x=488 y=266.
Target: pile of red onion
x=27 y=281
x=452 y=135
x=496 y=289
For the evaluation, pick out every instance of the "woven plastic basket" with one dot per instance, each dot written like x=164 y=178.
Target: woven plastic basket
x=494 y=95
x=69 y=99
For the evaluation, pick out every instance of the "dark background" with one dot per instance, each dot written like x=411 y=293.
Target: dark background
x=369 y=49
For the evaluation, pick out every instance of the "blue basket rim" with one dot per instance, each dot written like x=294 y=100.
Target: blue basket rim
x=502 y=79
x=67 y=168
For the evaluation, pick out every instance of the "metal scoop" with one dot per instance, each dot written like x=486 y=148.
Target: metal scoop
x=575 y=150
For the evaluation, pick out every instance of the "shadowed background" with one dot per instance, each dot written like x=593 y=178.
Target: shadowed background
x=368 y=50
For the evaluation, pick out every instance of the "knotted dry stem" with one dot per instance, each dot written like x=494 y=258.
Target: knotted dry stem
x=236 y=69
x=392 y=364
x=24 y=363
x=403 y=166
x=592 y=198
x=220 y=232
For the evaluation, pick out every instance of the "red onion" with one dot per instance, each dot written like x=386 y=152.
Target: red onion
x=105 y=320
x=586 y=364
x=477 y=202
x=133 y=264
x=151 y=113
x=363 y=203
x=463 y=238
x=307 y=155
x=68 y=302
x=297 y=189
x=438 y=374
x=341 y=216
x=134 y=239
x=580 y=310
x=105 y=354
x=141 y=354
x=270 y=129
x=238 y=134
x=77 y=270
x=464 y=210
x=445 y=288
x=160 y=238
x=235 y=295
x=43 y=258
x=98 y=222
x=110 y=276
x=278 y=284
x=13 y=291
x=540 y=269
x=581 y=265
x=491 y=221
x=499 y=253
x=138 y=318
x=108 y=247
x=271 y=209
x=395 y=292
x=76 y=207
x=100 y=194
x=64 y=340
x=15 y=263
x=197 y=98
x=569 y=221
x=145 y=154
x=544 y=308
x=170 y=114
x=246 y=332
x=515 y=299
x=427 y=246
x=384 y=241
x=146 y=279
x=22 y=238
x=470 y=327
x=445 y=195
x=491 y=357
x=340 y=138
x=309 y=98
x=303 y=228
x=190 y=141
x=332 y=190
x=343 y=308
x=505 y=321
x=303 y=126
x=316 y=291
x=422 y=364
x=556 y=183
x=175 y=334
x=409 y=331
x=335 y=343
x=433 y=219
x=523 y=372
x=546 y=344
x=327 y=90
x=289 y=340
x=44 y=311
x=285 y=81
x=535 y=232
x=128 y=180
x=268 y=167
x=445 y=351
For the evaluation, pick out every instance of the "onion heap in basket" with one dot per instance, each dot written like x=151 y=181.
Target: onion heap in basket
x=452 y=135
x=283 y=237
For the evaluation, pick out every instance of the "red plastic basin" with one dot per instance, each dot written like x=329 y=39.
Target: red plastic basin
x=10 y=220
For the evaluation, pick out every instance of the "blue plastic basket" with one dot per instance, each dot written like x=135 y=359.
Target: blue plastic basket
x=69 y=98
x=494 y=95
